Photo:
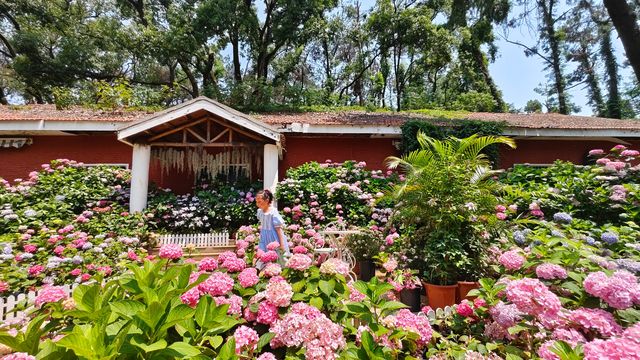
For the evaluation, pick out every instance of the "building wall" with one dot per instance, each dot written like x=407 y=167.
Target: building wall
x=547 y=151
x=17 y=163
x=299 y=149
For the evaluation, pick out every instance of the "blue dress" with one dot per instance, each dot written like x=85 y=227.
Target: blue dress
x=269 y=221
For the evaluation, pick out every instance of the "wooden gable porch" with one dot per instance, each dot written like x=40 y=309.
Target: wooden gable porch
x=201 y=135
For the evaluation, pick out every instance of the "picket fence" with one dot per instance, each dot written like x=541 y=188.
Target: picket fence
x=199 y=240
x=9 y=303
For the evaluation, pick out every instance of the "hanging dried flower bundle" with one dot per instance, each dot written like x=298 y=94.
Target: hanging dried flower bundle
x=197 y=160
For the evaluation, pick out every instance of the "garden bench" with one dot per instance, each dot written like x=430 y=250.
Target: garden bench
x=334 y=235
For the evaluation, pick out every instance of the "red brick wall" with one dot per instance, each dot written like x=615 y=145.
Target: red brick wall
x=338 y=149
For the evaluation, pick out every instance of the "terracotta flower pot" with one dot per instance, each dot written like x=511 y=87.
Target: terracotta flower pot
x=463 y=289
x=440 y=296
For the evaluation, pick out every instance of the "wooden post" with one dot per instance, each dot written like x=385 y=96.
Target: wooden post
x=270 y=170
x=139 y=177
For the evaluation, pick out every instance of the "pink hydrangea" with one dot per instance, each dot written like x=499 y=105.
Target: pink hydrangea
x=511 y=260
x=615 y=165
x=217 y=284
x=354 y=294
x=595 y=152
x=35 y=270
x=272 y=269
x=501 y=216
x=334 y=266
x=248 y=277
x=208 y=264
x=267 y=313
x=58 y=250
x=551 y=271
x=603 y=161
x=224 y=256
x=246 y=339
x=299 y=262
x=18 y=356
x=390 y=265
x=279 y=292
x=464 y=309
x=620 y=291
x=595 y=319
x=4 y=286
x=191 y=297
x=49 y=294
x=300 y=249
x=417 y=324
x=545 y=352
x=571 y=336
x=272 y=246
x=625 y=347
x=269 y=256
x=533 y=297
x=242 y=244
x=30 y=248
x=233 y=264
x=505 y=315
x=234 y=302
x=171 y=251
x=305 y=326
x=249 y=316
x=267 y=356
x=630 y=153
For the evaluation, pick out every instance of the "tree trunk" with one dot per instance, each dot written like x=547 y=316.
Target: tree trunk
x=481 y=64
x=613 y=108
x=3 y=97
x=235 y=45
x=195 y=92
x=592 y=80
x=554 y=46
x=624 y=19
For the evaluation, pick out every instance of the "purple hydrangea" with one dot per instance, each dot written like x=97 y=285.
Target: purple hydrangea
x=609 y=237
x=562 y=217
x=519 y=237
x=589 y=240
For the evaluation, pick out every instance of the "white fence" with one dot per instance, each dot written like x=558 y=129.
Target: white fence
x=7 y=304
x=199 y=240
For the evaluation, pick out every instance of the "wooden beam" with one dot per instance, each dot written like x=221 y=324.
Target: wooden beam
x=230 y=135
x=234 y=144
x=208 y=131
x=175 y=130
x=245 y=133
x=196 y=135
x=219 y=135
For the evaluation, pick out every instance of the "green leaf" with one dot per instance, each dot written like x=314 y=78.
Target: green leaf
x=264 y=340
x=214 y=341
x=327 y=286
x=185 y=350
x=228 y=350
x=390 y=306
x=85 y=297
x=158 y=345
x=316 y=302
x=127 y=308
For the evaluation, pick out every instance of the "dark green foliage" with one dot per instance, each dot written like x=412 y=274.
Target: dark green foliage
x=444 y=128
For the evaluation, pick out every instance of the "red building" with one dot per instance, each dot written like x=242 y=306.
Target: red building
x=264 y=146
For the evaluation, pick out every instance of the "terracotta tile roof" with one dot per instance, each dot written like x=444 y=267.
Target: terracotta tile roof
x=76 y=113
x=532 y=121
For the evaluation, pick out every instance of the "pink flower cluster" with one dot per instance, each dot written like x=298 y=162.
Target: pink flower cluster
x=217 y=284
x=620 y=291
x=171 y=251
x=234 y=302
x=408 y=321
x=208 y=264
x=49 y=294
x=299 y=262
x=232 y=263
x=551 y=271
x=268 y=256
x=35 y=270
x=267 y=356
x=354 y=294
x=533 y=297
x=334 y=266
x=191 y=297
x=306 y=326
x=267 y=313
x=4 y=286
x=511 y=260
x=390 y=265
x=272 y=269
x=625 y=347
x=248 y=277
x=18 y=356
x=279 y=292
x=595 y=319
x=246 y=339
x=464 y=308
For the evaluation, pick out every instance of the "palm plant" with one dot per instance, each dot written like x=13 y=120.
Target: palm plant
x=446 y=203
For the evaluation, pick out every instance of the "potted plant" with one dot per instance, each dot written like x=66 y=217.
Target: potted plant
x=365 y=246
x=448 y=204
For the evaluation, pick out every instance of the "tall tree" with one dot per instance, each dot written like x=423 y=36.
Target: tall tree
x=625 y=20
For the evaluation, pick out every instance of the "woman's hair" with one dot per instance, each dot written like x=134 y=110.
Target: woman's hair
x=266 y=194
